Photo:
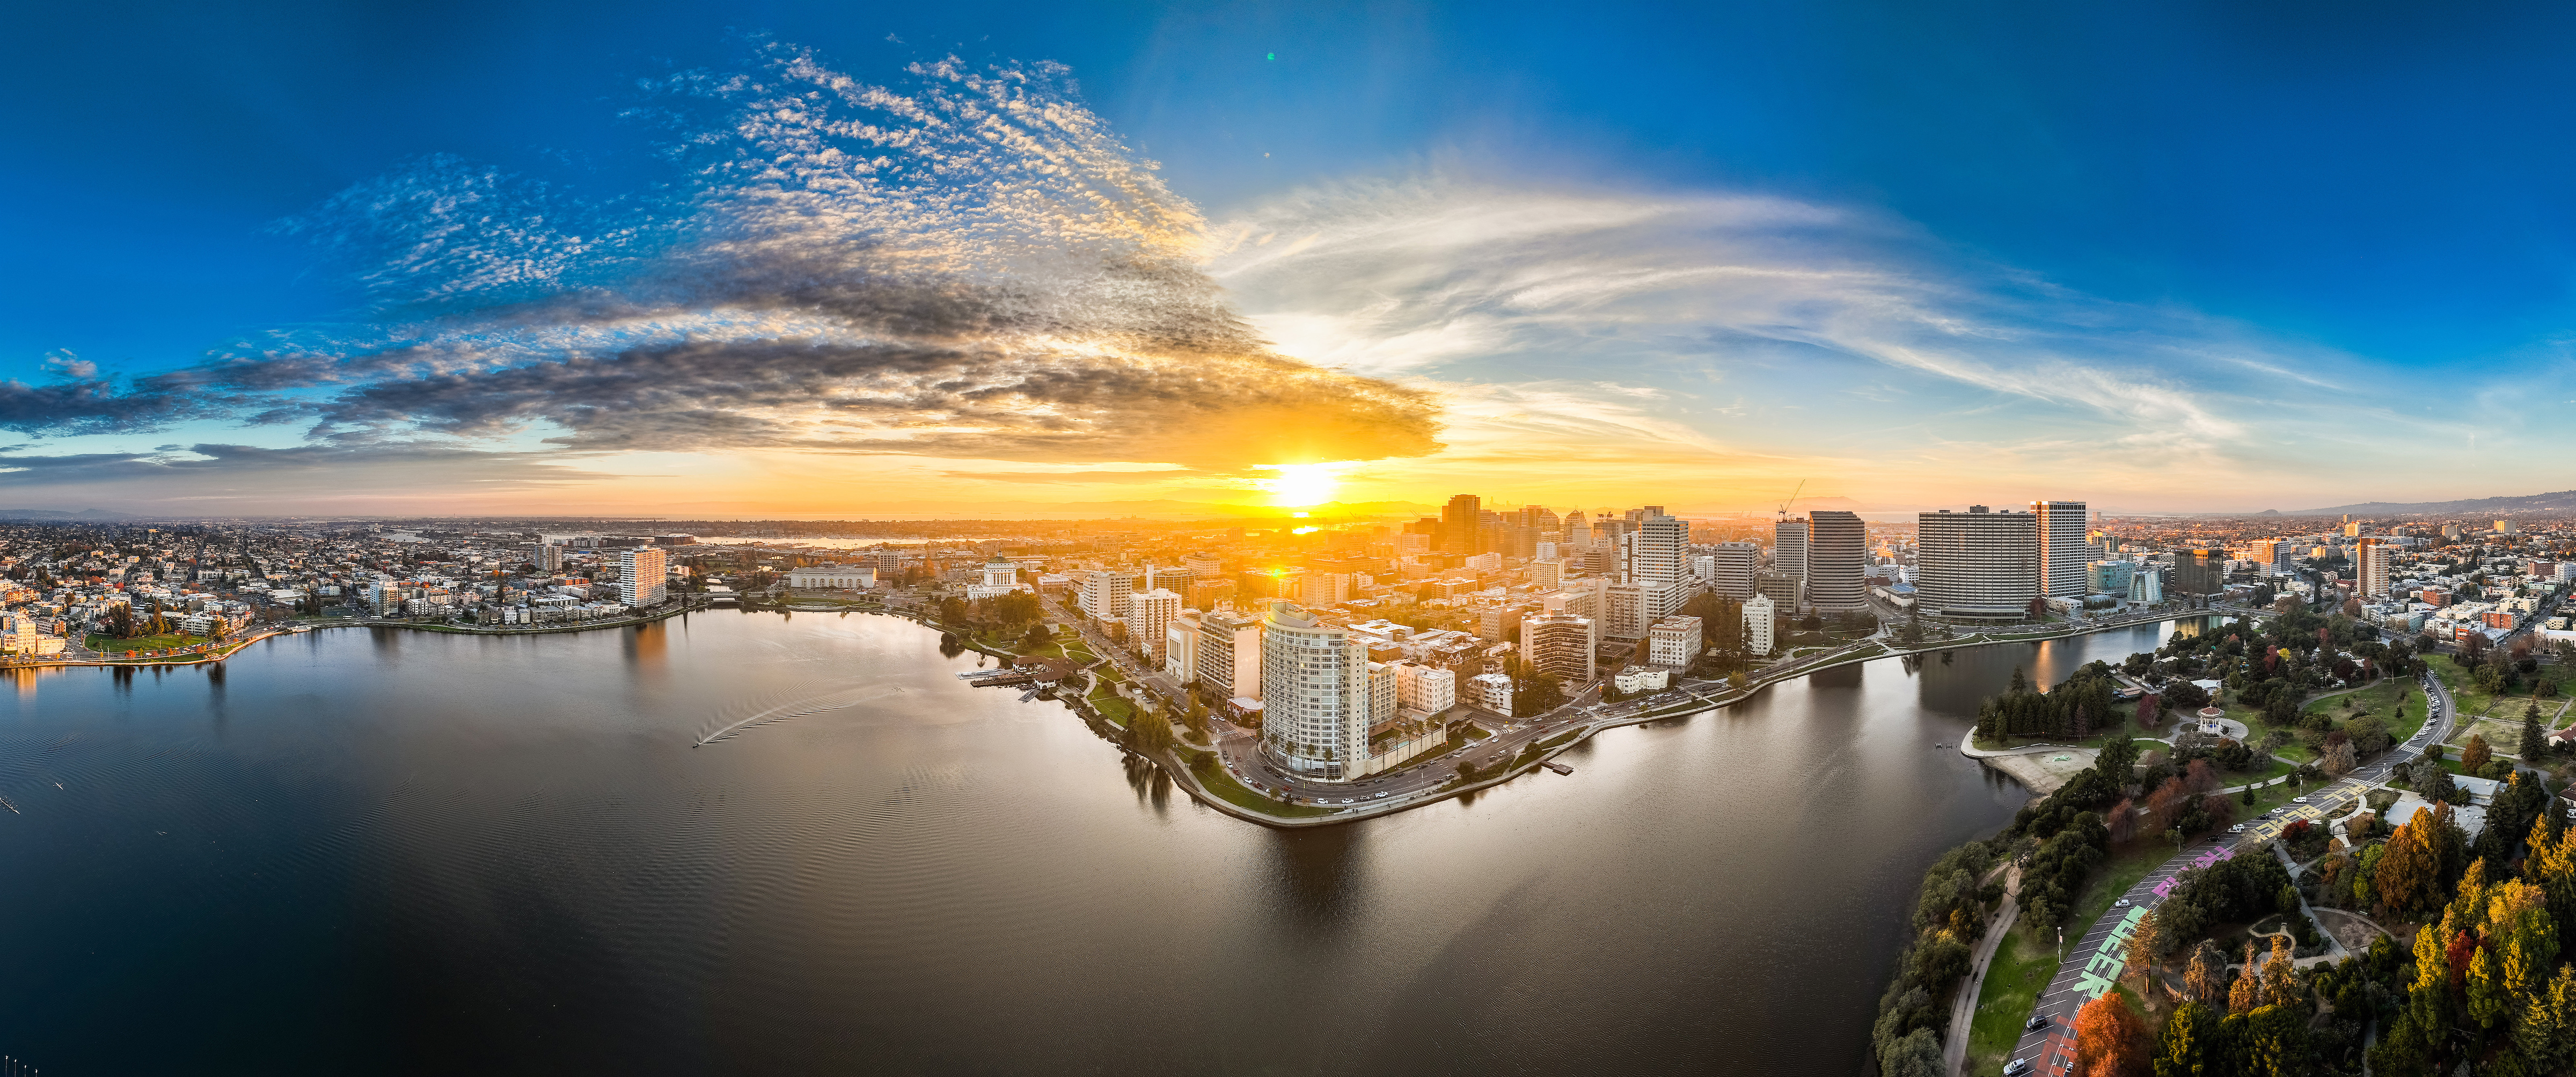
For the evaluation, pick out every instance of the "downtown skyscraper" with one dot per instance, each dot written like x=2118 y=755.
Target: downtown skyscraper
x=2064 y=548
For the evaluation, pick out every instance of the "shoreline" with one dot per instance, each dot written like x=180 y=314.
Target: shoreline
x=1181 y=776
x=230 y=648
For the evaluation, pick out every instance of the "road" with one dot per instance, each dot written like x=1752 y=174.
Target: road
x=2095 y=962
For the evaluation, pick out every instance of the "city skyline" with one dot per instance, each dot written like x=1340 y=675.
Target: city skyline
x=587 y=288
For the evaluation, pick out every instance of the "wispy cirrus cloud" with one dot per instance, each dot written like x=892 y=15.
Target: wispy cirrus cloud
x=1760 y=319
x=969 y=267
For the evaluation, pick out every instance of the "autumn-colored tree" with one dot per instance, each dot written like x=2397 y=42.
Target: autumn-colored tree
x=2164 y=807
x=2458 y=955
x=2150 y=711
x=2338 y=759
x=2122 y=821
x=2408 y=869
x=2476 y=755
x=2110 y=1040
x=2200 y=777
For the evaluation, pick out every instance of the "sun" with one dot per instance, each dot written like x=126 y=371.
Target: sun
x=1299 y=485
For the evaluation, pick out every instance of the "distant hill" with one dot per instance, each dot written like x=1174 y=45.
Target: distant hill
x=2562 y=501
x=65 y=515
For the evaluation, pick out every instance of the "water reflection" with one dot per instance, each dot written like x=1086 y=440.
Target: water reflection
x=504 y=854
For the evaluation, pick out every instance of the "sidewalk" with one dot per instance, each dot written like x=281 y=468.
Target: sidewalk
x=1963 y=1008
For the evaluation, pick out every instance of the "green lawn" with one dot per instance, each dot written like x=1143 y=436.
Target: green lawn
x=1221 y=783
x=111 y=645
x=1117 y=710
x=2022 y=966
x=2464 y=690
x=2116 y=875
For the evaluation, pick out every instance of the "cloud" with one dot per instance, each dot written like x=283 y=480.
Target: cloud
x=1753 y=322
x=969 y=267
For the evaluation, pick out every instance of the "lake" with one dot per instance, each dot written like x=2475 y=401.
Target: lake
x=379 y=850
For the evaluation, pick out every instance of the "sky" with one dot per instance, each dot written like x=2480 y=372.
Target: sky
x=772 y=259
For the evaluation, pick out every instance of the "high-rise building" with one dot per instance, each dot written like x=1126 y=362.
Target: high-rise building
x=1578 y=532
x=1760 y=619
x=1148 y=614
x=642 y=575
x=1675 y=641
x=1782 y=588
x=1315 y=695
x=1837 y=548
x=1977 y=563
x=1462 y=525
x=2373 y=559
x=2109 y=577
x=1560 y=643
x=1625 y=611
x=1736 y=563
x=2062 y=547
x=1230 y=654
x=1789 y=558
x=1659 y=560
x=2505 y=527
x=1105 y=593
x=547 y=556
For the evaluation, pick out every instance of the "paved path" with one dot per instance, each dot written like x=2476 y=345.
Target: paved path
x=1963 y=1009
x=2095 y=962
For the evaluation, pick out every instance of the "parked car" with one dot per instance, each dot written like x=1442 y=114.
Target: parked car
x=2017 y=1067
x=2037 y=1020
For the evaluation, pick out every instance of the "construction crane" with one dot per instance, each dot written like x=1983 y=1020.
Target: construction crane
x=1793 y=498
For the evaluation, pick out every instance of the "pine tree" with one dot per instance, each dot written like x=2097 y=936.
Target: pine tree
x=2280 y=984
x=2245 y=994
x=2207 y=978
x=2144 y=941
x=2533 y=744
x=2489 y=1003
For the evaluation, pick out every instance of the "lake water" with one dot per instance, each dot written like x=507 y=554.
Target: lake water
x=376 y=850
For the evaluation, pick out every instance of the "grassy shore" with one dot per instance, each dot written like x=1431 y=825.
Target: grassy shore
x=113 y=645
x=1221 y=784
x=2022 y=967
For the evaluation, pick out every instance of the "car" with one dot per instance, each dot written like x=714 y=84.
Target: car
x=2017 y=1067
x=2037 y=1020
x=2120 y=904
x=2298 y=800
x=2237 y=829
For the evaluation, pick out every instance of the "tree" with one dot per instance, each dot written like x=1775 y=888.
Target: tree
x=2110 y=1040
x=2207 y=976
x=2408 y=868
x=2338 y=759
x=2474 y=757
x=1537 y=695
x=2190 y=1047
x=2146 y=944
x=2534 y=745
x=1038 y=636
x=1150 y=732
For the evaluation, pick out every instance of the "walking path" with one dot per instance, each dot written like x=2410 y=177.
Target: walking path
x=1963 y=1009
x=2089 y=970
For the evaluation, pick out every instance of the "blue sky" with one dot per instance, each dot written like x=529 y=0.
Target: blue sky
x=2328 y=247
